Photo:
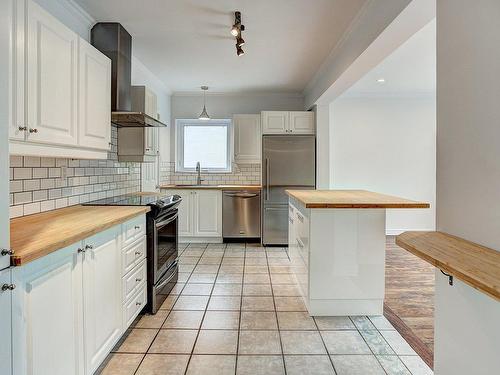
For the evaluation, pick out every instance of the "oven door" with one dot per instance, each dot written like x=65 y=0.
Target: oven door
x=165 y=243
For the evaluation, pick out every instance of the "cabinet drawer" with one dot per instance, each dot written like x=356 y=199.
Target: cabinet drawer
x=133 y=229
x=134 y=280
x=134 y=254
x=134 y=306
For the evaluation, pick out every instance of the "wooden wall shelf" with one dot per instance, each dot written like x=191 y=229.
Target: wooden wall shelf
x=475 y=265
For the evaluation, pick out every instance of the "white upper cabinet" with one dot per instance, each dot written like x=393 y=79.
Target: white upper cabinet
x=60 y=88
x=301 y=122
x=274 y=122
x=247 y=139
x=94 y=98
x=284 y=122
x=52 y=67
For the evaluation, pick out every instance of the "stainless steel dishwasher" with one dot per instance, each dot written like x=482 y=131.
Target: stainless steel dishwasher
x=241 y=214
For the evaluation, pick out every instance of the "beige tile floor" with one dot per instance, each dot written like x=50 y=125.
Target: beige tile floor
x=236 y=310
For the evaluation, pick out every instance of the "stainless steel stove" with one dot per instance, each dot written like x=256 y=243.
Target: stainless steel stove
x=162 y=239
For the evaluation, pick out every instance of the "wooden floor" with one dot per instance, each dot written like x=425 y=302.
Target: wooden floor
x=409 y=291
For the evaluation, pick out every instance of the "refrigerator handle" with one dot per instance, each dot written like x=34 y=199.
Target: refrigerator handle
x=267 y=179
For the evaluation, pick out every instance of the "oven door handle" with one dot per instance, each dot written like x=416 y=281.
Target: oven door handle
x=167 y=221
x=167 y=280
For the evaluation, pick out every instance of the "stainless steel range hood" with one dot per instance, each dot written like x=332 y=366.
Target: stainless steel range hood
x=114 y=41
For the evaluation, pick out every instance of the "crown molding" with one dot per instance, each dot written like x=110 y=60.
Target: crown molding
x=239 y=94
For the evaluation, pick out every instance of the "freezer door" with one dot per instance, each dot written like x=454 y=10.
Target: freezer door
x=275 y=225
x=288 y=163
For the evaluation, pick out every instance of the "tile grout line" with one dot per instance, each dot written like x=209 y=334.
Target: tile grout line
x=204 y=312
x=275 y=313
x=324 y=345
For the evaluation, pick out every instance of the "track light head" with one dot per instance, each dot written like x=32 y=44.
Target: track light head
x=235 y=30
x=240 y=41
x=239 y=50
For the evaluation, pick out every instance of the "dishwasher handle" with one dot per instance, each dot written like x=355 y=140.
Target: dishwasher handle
x=241 y=194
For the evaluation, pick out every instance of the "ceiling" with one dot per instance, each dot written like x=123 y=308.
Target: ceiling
x=186 y=43
x=408 y=71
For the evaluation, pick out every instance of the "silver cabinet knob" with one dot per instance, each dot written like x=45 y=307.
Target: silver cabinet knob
x=5 y=252
x=6 y=287
x=137 y=227
x=33 y=130
x=138 y=303
x=22 y=128
x=80 y=250
x=138 y=253
x=138 y=280
x=89 y=247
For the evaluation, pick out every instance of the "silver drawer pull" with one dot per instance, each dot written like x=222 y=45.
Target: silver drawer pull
x=138 y=253
x=138 y=303
x=33 y=130
x=89 y=247
x=6 y=287
x=5 y=252
x=137 y=227
x=138 y=280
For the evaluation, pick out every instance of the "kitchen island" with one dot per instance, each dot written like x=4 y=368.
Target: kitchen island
x=337 y=248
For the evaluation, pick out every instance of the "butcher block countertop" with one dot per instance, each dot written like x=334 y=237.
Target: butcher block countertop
x=351 y=199
x=214 y=187
x=476 y=265
x=34 y=236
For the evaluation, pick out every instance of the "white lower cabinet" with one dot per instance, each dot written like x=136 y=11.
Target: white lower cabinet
x=5 y=322
x=102 y=296
x=200 y=214
x=69 y=307
x=48 y=316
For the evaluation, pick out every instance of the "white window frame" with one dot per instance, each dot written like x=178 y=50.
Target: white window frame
x=179 y=144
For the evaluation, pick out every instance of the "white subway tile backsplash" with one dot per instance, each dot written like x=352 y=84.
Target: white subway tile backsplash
x=23 y=173
x=36 y=184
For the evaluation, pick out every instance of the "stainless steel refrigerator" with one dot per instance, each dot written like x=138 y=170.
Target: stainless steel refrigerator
x=288 y=162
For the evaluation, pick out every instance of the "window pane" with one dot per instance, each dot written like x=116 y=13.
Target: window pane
x=205 y=144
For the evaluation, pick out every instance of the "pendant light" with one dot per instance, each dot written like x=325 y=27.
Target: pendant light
x=204 y=115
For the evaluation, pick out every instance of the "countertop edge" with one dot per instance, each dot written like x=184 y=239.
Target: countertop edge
x=212 y=187
x=21 y=260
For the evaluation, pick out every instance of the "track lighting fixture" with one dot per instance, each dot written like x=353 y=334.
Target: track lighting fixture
x=236 y=32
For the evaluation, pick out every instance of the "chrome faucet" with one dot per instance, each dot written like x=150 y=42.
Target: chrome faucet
x=198 y=171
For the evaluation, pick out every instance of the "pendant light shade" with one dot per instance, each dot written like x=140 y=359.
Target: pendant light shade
x=204 y=115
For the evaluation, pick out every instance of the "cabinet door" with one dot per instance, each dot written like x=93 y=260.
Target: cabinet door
x=150 y=104
x=247 y=138
x=302 y=122
x=47 y=315
x=12 y=13
x=207 y=213
x=185 y=210
x=52 y=70
x=151 y=141
x=102 y=296
x=275 y=122
x=94 y=82
x=5 y=324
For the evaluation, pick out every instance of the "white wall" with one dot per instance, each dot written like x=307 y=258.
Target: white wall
x=223 y=106
x=467 y=332
x=387 y=145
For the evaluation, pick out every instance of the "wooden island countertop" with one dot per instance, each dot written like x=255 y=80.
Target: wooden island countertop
x=34 y=236
x=351 y=199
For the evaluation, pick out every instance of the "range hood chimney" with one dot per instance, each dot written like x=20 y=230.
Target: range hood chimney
x=114 y=41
